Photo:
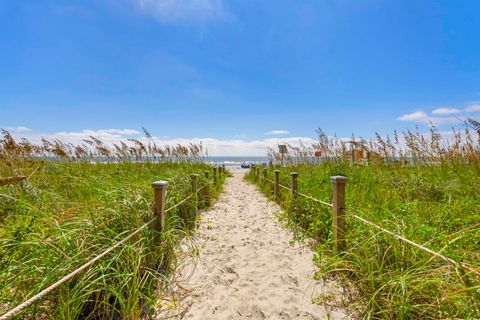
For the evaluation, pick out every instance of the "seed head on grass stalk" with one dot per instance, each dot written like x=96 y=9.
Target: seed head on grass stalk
x=83 y=199
x=423 y=186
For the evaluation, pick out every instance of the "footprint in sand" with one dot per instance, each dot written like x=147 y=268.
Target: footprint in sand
x=248 y=268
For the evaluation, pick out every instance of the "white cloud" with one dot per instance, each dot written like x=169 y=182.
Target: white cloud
x=422 y=117
x=108 y=135
x=17 y=129
x=219 y=147
x=473 y=108
x=184 y=10
x=122 y=132
x=445 y=111
x=415 y=116
x=215 y=147
x=277 y=132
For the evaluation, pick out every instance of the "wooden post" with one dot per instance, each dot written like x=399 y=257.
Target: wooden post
x=338 y=202
x=223 y=169
x=276 y=184
x=159 y=198
x=215 y=175
x=192 y=217
x=194 y=178
x=265 y=174
x=257 y=170
x=352 y=150
x=207 y=174
x=294 y=185
x=283 y=150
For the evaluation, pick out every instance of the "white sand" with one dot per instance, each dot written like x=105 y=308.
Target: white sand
x=247 y=267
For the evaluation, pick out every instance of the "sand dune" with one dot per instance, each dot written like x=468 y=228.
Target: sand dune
x=247 y=267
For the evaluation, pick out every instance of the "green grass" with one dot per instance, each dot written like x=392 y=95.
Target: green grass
x=65 y=213
x=437 y=205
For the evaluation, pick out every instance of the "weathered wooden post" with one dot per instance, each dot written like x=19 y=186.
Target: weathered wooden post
x=282 y=149
x=257 y=171
x=265 y=174
x=294 y=184
x=215 y=175
x=194 y=178
x=338 y=202
x=276 y=184
x=207 y=174
x=159 y=198
x=192 y=217
x=352 y=150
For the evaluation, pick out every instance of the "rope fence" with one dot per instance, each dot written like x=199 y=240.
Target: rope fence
x=419 y=246
x=315 y=200
x=71 y=275
x=159 y=188
x=339 y=211
x=299 y=193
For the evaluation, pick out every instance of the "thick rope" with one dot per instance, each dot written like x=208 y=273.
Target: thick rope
x=419 y=246
x=177 y=205
x=315 y=200
x=397 y=236
x=284 y=187
x=46 y=291
x=269 y=180
x=301 y=194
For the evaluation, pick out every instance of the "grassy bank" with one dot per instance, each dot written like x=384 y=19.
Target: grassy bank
x=67 y=212
x=435 y=205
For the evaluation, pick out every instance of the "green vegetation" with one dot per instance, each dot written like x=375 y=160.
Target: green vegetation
x=433 y=201
x=66 y=212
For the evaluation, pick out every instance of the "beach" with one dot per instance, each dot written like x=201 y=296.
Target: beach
x=247 y=266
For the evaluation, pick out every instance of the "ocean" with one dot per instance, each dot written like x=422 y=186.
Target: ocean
x=235 y=161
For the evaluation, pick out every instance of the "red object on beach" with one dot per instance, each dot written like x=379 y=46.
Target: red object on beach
x=318 y=153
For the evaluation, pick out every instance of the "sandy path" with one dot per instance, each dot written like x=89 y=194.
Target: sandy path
x=247 y=268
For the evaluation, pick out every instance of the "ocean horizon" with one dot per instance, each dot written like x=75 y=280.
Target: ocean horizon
x=235 y=161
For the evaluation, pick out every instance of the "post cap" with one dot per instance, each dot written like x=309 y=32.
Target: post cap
x=277 y=171
x=194 y=175
x=338 y=179
x=160 y=184
x=294 y=174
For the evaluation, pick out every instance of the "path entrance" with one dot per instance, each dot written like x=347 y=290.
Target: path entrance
x=247 y=267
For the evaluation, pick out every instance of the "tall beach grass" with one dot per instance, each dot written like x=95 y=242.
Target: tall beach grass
x=72 y=205
x=431 y=198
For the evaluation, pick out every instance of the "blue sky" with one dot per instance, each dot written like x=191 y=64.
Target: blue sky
x=240 y=74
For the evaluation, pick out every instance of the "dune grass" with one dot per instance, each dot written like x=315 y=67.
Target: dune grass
x=67 y=212
x=436 y=205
